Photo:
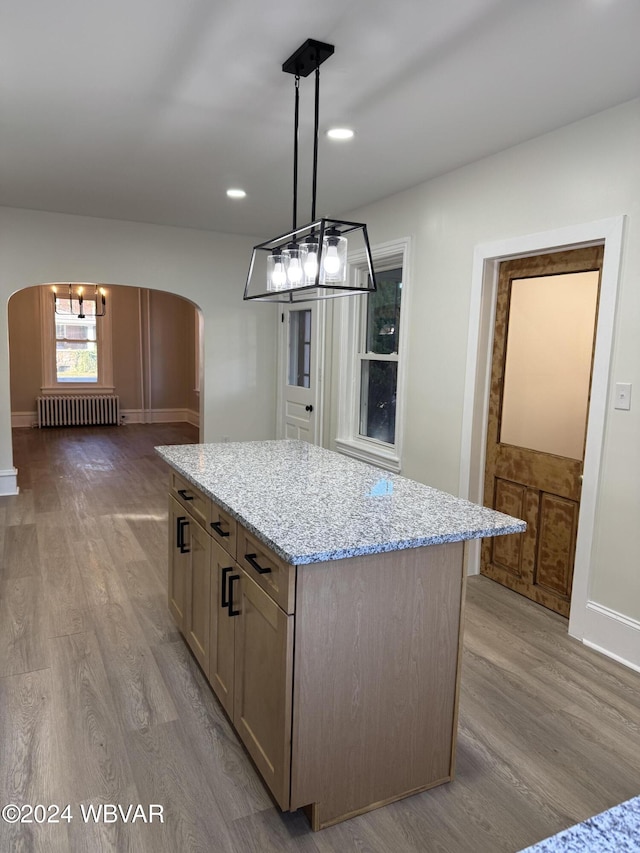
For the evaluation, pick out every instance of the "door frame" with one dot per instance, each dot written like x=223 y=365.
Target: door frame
x=486 y=261
x=282 y=365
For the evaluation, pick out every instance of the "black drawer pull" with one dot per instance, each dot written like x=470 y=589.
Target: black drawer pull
x=181 y=523
x=217 y=526
x=225 y=596
x=251 y=559
x=232 y=612
x=183 y=494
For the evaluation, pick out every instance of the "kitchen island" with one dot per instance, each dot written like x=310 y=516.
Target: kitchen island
x=323 y=599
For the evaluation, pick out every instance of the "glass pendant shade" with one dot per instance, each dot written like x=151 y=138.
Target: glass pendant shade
x=334 y=258
x=293 y=265
x=276 y=273
x=310 y=263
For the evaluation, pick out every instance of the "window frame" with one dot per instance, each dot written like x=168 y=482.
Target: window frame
x=50 y=383
x=352 y=330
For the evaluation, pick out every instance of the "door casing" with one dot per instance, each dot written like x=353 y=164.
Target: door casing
x=487 y=258
x=318 y=336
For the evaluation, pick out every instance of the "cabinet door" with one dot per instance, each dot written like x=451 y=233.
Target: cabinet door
x=222 y=643
x=263 y=684
x=178 y=562
x=197 y=616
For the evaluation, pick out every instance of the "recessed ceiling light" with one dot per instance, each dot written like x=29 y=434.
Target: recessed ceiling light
x=236 y=193
x=340 y=133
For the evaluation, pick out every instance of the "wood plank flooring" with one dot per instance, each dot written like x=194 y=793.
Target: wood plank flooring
x=101 y=701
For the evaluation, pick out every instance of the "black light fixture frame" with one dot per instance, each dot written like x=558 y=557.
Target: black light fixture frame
x=305 y=60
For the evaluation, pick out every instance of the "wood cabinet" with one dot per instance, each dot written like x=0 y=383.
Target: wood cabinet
x=178 y=562
x=231 y=617
x=190 y=579
x=223 y=626
x=365 y=711
x=263 y=678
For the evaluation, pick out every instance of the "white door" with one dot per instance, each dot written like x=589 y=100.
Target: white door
x=300 y=374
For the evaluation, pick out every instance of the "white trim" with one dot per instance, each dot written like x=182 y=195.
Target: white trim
x=483 y=292
x=76 y=389
x=159 y=416
x=50 y=385
x=282 y=366
x=607 y=629
x=19 y=420
x=374 y=456
x=193 y=417
x=9 y=482
x=348 y=333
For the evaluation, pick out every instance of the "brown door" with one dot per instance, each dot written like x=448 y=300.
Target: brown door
x=539 y=400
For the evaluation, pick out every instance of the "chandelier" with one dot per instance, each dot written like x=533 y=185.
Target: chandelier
x=309 y=262
x=64 y=304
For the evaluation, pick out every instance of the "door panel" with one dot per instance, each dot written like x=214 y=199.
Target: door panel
x=222 y=644
x=263 y=685
x=300 y=359
x=538 y=407
x=198 y=593
x=178 y=563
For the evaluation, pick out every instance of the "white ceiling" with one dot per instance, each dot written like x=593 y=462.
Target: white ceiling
x=148 y=110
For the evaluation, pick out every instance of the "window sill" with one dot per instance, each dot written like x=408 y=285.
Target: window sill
x=386 y=459
x=72 y=389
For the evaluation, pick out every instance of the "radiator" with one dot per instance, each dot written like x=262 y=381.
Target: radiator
x=78 y=411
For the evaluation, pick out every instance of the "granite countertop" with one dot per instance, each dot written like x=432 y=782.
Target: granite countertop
x=614 y=831
x=309 y=504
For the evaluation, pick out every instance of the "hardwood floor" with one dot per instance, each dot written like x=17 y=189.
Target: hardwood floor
x=101 y=702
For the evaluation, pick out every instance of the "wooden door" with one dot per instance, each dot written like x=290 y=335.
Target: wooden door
x=263 y=685
x=178 y=562
x=222 y=644
x=544 y=336
x=198 y=593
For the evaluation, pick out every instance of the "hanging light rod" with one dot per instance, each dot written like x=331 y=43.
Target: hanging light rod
x=308 y=262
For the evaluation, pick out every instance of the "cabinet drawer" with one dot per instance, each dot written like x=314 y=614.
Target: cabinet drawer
x=276 y=577
x=224 y=529
x=192 y=499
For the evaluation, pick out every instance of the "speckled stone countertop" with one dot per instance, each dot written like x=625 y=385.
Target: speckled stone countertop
x=309 y=504
x=614 y=831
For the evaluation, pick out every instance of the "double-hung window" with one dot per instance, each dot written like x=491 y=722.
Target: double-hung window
x=76 y=345
x=372 y=363
x=76 y=350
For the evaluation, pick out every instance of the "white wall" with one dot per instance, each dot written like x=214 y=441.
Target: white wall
x=207 y=268
x=587 y=171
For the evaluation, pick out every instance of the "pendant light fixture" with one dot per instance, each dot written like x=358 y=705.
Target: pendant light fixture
x=64 y=303
x=309 y=262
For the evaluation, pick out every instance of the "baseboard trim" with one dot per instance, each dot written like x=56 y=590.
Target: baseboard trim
x=131 y=416
x=159 y=416
x=9 y=482
x=613 y=634
x=23 y=419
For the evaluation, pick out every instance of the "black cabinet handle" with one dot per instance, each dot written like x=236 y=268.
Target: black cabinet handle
x=224 y=596
x=308 y=408
x=183 y=494
x=251 y=559
x=232 y=612
x=217 y=526
x=181 y=523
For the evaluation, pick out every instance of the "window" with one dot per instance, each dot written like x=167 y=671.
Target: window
x=371 y=362
x=300 y=348
x=76 y=351
x=378 y=356
x=76 y=346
